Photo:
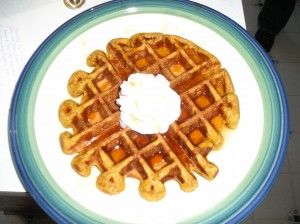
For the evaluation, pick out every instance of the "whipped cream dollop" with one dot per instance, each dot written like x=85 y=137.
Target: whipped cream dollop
x=148 y=105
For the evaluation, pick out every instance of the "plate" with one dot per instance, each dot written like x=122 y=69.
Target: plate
x=252 y=154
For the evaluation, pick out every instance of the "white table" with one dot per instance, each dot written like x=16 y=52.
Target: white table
x=24 y=24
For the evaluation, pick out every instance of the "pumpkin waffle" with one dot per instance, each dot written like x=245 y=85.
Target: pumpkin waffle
x=209 y=106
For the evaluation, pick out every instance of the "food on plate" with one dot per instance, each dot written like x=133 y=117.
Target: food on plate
x=98 y=137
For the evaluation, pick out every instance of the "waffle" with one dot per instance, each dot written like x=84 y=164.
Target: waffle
x=209 y=106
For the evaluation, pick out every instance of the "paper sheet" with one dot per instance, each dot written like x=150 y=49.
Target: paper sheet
x=11 y=64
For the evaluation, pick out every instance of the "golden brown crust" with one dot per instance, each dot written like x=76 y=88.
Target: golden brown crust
x=209 y=106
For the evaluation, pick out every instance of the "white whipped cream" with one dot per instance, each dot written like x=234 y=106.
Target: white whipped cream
x=148 y=105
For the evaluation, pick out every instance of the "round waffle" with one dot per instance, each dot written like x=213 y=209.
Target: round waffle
x=209 y=106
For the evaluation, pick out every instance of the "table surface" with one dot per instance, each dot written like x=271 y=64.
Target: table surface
x=24 y=24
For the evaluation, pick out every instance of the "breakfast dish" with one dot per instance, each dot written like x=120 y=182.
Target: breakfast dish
x=250 y=158
x=209 y=106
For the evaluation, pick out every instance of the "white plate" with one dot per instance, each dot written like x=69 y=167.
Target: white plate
x=249 y=161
